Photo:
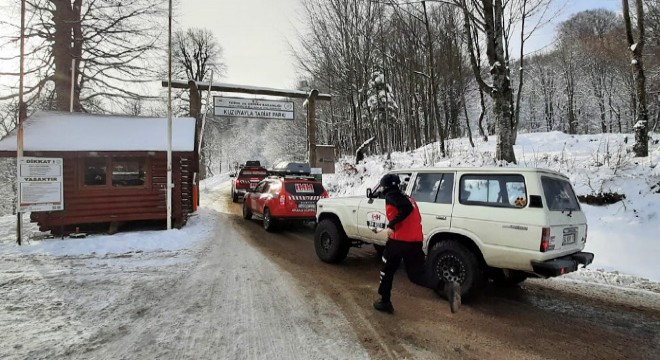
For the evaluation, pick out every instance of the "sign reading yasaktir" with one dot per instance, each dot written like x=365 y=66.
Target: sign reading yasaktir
x=40 y=185
x=252 y=108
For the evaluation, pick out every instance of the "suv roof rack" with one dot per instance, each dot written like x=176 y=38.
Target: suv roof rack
x=291 y=168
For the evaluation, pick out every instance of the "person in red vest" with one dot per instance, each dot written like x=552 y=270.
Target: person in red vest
x=404 y=242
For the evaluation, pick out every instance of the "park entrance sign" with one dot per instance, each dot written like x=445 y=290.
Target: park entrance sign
x=40 y=186
x=252 y=108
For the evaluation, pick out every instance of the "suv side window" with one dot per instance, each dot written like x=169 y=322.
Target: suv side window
x=405 y=179
x=275 y=187
x=493 y=190
x=260 y=187
x=433 y=187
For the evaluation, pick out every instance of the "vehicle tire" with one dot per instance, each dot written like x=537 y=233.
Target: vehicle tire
x=247 y=214
x=451 y=261
x=268 y=221
x=234 y=196
x=508 y=278
x=330 y=242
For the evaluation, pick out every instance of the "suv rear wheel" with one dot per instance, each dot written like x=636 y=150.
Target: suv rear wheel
x=330 y=242
x=234 y=196
x=451 y=261
x=247 y=214
x=268 y=221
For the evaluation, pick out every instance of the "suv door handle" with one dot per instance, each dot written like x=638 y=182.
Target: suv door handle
x=441 y=217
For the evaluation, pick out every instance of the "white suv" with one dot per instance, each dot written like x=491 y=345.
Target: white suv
x=501 y=223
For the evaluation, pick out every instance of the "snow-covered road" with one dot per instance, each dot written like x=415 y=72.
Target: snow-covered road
x=220 y=300
x=223 y=288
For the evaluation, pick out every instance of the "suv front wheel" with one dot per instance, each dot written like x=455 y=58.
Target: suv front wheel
x=451 y=261
x=330 y=242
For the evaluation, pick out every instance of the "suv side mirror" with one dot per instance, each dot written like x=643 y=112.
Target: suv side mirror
x=370 y=194
x=232 y=175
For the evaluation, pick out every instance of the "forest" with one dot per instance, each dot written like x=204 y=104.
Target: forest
x=402 y=74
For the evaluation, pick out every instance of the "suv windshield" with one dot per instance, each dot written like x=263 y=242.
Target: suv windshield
x=304 y=188
x=559 y=194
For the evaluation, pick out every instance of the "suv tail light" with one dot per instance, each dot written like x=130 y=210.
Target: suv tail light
x=282 y=199
x=325 y=195
x=545 y=239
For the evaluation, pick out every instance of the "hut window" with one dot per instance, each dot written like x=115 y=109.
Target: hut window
x=128 y=172
x=96 y=171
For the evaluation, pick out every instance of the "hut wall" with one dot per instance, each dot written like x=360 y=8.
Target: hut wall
x=111 y=203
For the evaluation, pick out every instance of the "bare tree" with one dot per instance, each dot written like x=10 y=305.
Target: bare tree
x=107 y=44
x=636 y=48
x=488 y=15
x=339 y=56
x=195 y=53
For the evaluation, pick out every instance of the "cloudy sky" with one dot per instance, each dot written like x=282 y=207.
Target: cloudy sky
x=256 y=34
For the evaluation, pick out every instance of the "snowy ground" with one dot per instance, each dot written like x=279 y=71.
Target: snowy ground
x=54 y=290
x=199 y=292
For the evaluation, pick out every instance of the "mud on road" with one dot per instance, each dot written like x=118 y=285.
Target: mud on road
x=542 y=319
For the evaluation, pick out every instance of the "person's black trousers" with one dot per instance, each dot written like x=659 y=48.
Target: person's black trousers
x=413 y=257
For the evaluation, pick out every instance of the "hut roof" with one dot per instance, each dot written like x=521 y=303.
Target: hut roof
x=64 y=131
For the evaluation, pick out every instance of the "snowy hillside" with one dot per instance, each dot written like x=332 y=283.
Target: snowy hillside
x=624 y=236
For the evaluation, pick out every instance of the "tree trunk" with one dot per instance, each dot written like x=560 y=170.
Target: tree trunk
x=641 y=147
x=501 y=92
x=434 y=87
x=62 y=53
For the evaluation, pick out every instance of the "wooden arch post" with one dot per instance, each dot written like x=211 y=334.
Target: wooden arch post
x=311 y=127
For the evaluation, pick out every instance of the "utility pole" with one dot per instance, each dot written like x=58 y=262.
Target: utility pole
x=22 y=114
x=169 y=121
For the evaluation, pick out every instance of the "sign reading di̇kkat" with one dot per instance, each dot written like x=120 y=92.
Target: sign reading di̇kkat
x=40 y=186
x=252 y=108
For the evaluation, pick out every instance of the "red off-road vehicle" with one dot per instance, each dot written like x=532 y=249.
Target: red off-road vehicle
x=247 y=178
x=287 y=196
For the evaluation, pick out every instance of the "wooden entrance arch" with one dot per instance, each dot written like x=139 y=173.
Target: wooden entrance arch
x=311 y=97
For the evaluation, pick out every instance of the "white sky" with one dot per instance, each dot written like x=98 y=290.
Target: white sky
x=254 y=35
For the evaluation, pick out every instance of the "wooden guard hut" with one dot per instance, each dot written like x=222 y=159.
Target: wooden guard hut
x=115 y=167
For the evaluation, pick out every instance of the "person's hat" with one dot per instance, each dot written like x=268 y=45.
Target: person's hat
x=390 y=180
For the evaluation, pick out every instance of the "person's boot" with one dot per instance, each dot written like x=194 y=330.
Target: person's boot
x=384 y=306
x=453 y=293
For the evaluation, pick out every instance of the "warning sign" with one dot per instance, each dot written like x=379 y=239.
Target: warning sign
x=40 y=185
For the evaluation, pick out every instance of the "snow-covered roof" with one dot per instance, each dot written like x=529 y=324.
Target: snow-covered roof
x=64 y=131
